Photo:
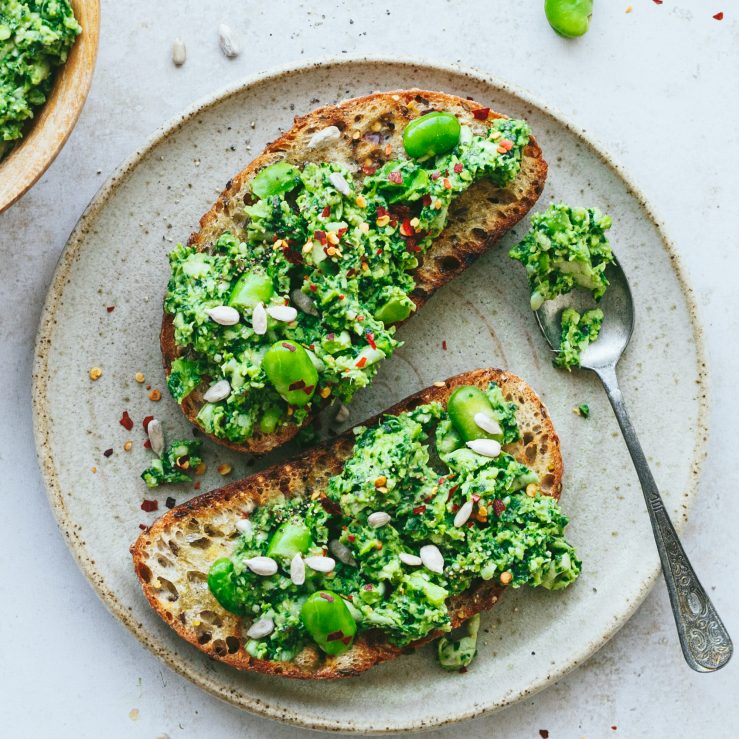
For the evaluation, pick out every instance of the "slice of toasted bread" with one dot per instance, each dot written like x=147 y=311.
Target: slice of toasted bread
x=173 y=557
x=477 y=219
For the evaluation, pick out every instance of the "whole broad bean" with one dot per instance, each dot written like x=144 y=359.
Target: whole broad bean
x=291 y=538
x=396 y=309
x=328 y=620
x=569 y=18
x=288 y=367
x=432 y=134
x=463 y=404
x=221 y=584
x=275 y=179
x=250 y=289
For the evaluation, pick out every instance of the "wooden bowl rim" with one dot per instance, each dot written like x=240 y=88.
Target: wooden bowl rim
x=56 y=119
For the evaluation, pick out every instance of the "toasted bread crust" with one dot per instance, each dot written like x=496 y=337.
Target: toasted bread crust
x=172 y=570
x=477 y=219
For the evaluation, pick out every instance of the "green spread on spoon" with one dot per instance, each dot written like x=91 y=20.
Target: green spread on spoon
x=324 y=265
x=393 y=536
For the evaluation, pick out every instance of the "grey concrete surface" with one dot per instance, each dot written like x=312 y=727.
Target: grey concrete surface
x=657 y=87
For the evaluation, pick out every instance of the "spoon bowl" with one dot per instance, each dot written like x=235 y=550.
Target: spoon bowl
x=618 y=324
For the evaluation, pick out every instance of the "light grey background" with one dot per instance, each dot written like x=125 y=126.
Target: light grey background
x=657 y=87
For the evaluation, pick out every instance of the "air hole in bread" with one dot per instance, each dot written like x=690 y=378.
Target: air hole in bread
x=205 y=637
x=530 y=453
x=448 y=263
x=211 y=617
x=144 y=573
x=547 y=482
x=173 y=547
x=164 y=562
x=528 y=437
x=202 y=542
x=480 y=233
x=167 y=589
x=212 y=531
x=233 y=644
x=197 y=578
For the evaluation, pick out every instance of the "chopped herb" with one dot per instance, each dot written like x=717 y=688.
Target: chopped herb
x=172 y=466
x=578 y=332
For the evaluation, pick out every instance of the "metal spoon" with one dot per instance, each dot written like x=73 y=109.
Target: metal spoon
x=703 y=637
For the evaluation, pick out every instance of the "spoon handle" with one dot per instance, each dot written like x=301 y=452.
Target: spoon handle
x=703 y=637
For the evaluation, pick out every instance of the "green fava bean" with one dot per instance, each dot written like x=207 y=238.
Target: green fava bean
x=250 y=289
x=269 y=420
x=569 y=18
x=275 y=180
x=432 y=134
x=291 y=538
x=396 y=309
x=462 y=406
x=288 y=367
x=221 y=584
x=327 y=619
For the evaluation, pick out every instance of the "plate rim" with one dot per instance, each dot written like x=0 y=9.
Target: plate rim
x=46 y=329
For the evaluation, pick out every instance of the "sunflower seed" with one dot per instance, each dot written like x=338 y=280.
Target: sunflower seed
x=297 y=570
x=463 y=514
x=377 y=519
x=259 y=319
x=432 y=559
x=284 y=313
x=224 y=315
x=155 y=432
x=339 y=182
x=227 y=41
x=320 y=564
x=218 y=391
x=488 y=424
x=244 y=526
x=330 y=133
x=261 y=628
x=303 y=302
x=342 y=414
x=179 y=52
x=342 y=552
x=264 y=566
x=485 y=447
x=410 y=559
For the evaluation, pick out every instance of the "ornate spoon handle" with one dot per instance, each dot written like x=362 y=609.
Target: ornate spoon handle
x=703 y=637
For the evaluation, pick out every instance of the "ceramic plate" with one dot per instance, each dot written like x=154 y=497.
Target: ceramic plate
x=117 y=257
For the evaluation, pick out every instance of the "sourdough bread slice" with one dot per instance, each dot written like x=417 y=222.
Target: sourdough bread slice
x=173 y=557
x=477 y=219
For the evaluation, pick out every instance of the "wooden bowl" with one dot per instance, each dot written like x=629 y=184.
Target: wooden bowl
x=55 y=120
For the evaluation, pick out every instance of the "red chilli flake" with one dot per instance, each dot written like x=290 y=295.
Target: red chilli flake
x=326 y=212
x=405 y=228
x=657 y=2
x=143 y=527
x=110 y=308
x=196 y=485
x=396 y=177
x=170 y=502
x=149 y=505
x=308 y=389
x=147 y=444
x=351 y=538
x=481 y=114
x=362 y=361
x=147 y=420
x=330 y=507
x=498 y=506
x=335 y=636
x=435 y=175
x=326 y=596
x=126 y=421
x=298 y=385
x=107 y=452
x=287 y=346
x=443 y=345
x=369 y=169
x=719 y=16
x=426 y=200
x=418 y=510
x=544 y=733
x=320 y=236
x=371 y=340
x=346 y=640
x=458 y=167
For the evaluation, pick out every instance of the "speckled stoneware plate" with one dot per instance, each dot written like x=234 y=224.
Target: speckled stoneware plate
x=117 y=257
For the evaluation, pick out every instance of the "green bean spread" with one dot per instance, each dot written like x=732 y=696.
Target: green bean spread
x=35 y=39
x=302 y=308
x=427 y=505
